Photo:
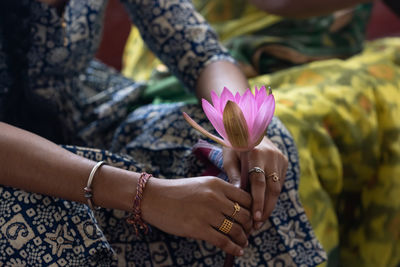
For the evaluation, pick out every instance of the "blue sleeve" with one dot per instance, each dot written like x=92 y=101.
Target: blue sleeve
x=178 y=35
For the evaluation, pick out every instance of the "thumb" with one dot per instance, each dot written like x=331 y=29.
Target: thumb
x=231 y=166
x=234 y=177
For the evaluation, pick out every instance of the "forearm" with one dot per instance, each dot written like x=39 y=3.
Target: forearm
x=178 y=35
x=34 y=164
x=306 y=8
x=220 y=74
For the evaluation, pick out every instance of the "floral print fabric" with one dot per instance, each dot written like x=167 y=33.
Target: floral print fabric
x=60 y=54
x=37 y=229
x=91 y=103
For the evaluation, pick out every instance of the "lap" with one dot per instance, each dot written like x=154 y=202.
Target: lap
x=156 y=139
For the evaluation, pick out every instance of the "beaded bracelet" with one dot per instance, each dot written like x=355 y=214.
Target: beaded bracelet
x=88 y=189
x=136 y=217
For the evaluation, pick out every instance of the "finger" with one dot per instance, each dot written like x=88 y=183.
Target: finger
x=238 y=235
x=272 y=193
x=224 y=242
x=236 y=232
x=231 y=166
x=242 y=217
x=257 y=184
x=225 y=208
x=284 y=168
x=245 y=219
x=238 y=195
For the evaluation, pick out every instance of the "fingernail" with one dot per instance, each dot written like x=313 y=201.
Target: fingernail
x=247 y=244
x=257 y=215
x=258 y=225
x=241 y=252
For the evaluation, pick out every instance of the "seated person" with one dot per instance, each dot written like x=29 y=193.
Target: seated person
x=341 y=110
x=53 y=92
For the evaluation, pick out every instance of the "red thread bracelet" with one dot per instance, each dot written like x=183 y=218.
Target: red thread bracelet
x=136 y=217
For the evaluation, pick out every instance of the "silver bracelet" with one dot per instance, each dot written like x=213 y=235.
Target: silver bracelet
x=88 y=188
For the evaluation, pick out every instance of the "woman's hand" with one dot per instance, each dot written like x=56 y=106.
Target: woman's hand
x=196 y=208
x=265 y=189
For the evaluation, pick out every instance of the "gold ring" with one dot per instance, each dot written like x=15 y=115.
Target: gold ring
x=274 y=177
x=226 y=226
x=257 y=170
x=236 y=208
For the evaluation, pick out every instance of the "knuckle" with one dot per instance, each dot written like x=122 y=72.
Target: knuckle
x=213 y=182
x=235 y=231
x=210 y=195
x=247 y=200
x=238 y=234
x=274 y=151
x=245 y=220
x=210 y=192
x=258 y=180
x=246 y=215
x=278 y=156
x=257 y=151
x=275 y=191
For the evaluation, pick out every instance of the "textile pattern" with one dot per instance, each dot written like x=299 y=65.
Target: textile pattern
x=343 y=115
x=92 y=107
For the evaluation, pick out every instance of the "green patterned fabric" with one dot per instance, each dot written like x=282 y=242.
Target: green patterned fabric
x=261 y=42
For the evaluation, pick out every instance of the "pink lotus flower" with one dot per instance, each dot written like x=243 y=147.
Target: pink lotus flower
x=240 y=120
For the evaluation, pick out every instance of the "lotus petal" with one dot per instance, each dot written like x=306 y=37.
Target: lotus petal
x=204 y=131
x=214 y=117
x=225 y=96
x=264 y=116
x=247 y=105
x=236 y=126
x=241 y=120
x=216 y=102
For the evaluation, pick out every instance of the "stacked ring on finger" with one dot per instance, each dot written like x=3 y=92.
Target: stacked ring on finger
x=236 y=209
x=226 y=226
x=274 y=177
x=257 y=170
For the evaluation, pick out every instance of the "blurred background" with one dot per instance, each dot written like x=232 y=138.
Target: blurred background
x=383 y=23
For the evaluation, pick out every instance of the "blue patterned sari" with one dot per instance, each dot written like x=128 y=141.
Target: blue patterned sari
x=90 y=105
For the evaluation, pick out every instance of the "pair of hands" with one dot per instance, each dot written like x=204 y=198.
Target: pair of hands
x=196 y=207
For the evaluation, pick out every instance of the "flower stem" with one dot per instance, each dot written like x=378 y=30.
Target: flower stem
x=244 y=172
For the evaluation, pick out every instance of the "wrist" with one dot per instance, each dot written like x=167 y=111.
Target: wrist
x=115 y=188
x=136 y=215
x=149 y=196
x=160 y=199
